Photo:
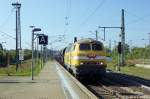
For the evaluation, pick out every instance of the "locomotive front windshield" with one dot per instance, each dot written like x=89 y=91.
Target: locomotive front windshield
x=92 y=46
x=85 y=47
x=97 y=47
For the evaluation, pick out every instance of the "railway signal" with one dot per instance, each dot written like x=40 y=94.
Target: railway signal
x=119 y=48
x=122 y=28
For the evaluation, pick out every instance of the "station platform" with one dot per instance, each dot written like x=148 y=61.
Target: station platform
x=54 y=82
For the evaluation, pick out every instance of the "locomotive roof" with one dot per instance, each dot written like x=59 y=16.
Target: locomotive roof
x=88 y=41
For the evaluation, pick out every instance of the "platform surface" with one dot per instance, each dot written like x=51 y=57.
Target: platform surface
x=52 y=83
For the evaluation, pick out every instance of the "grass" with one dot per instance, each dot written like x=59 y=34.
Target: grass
x=23 y=70
x=132 y=70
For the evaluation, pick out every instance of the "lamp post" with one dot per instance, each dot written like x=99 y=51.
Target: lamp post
x=32 y=67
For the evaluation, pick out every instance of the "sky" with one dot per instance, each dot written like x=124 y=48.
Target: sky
x=65 y=19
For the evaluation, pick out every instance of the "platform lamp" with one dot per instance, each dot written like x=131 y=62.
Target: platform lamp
x=32 y=67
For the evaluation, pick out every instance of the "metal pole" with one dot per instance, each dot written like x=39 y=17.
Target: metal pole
x=108 y=28
x=96 y=35
x=115 y=52
x=19 y=28
x=8 y=61
x=18 y=31
x=131 y=48
x=41 y=57
x=110 y=45
x=145 y=52
x=19 y=35
x=149 y=40
x=37 y=49
x=32 y=67
x=104 y=33
x=16 y=40
x=123 y=39
x=46 y=53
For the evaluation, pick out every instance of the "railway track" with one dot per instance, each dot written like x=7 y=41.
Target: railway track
x=114 y=92
x=143 y=81
x=136 y=83
x=113 y=86
x=119 y=86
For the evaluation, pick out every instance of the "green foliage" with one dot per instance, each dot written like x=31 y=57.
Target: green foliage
x=139 y=53
x=132 y=56
x=12 y=56
x=132 y=70
x=134 y=53
x=2 y=58
x=27 y=54
x=24 y=69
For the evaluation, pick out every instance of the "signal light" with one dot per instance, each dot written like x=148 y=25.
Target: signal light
x=119 y=48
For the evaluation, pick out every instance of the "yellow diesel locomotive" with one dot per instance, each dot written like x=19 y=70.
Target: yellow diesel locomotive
x=85 y=58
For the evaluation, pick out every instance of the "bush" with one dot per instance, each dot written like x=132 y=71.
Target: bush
x=130 y=63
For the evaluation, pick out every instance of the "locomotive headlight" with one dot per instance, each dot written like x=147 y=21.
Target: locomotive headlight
x=80 y=57
x=81 y=63
x=101 y=63
x=75 y=57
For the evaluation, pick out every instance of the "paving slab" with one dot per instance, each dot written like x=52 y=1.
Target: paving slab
x=45 y=86
x=52 y=83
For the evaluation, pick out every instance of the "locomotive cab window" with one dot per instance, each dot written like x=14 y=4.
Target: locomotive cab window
x=85 y=47
x=97 y=47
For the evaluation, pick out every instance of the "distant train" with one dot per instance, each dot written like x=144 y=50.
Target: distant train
x=85 y=58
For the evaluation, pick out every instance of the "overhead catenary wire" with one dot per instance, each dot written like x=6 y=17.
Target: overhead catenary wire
x=7 y=35
x=10 y=36
x=7 y=18
x=68 y=9
x=94 y=11
x=138 y=19
x=5 y=22
x=67 y=16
